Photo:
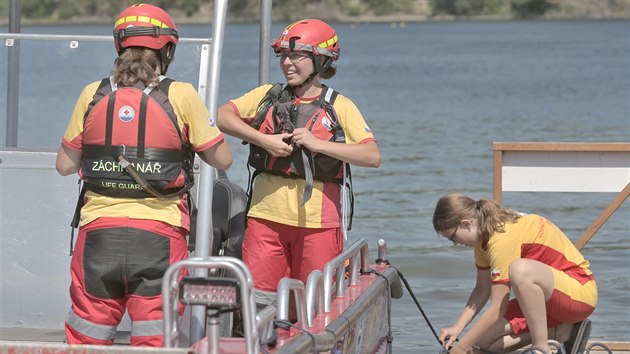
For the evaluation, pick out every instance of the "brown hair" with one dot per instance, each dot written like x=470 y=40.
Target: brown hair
x=136 y=64
x=329 y=70
x=452 y=208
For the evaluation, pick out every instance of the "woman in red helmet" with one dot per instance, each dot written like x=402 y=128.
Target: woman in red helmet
x=132 y=139
x=303 y=136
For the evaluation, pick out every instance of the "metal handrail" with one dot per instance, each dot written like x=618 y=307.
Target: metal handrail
x=285 y=286
x=336 y=268
x=170 y=294
x=211 y=76
x=383 y=252
x=12 y=41
x=314 y=296
x=84 y=37
x=264 y=322
x=315 y=290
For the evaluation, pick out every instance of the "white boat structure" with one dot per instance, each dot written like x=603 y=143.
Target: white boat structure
x=344 y=309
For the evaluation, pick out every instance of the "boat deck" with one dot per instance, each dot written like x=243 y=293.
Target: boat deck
x=615 y=347
x=618 y=347
x=23 y=341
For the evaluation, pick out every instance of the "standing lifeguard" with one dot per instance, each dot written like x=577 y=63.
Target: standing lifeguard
x=132 y=139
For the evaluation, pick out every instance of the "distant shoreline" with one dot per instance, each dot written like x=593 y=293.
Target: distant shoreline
x=345 y=20
x=347 y=11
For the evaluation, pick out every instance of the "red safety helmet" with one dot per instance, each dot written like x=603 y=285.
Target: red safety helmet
x=144 y=25
x=311 y=35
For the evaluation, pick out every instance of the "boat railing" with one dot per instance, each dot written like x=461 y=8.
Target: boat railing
x=171 y=294
x=264 y=323
x=564 y=167
x=358 y=256
x=12 y=43
x=285 y=287
x=75 y=39
x=315 y=297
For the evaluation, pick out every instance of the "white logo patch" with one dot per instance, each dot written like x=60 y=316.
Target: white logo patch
x=126 y=114
x=495 y=273
x=327 y=123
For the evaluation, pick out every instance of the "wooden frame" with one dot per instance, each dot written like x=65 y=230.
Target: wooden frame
x=611 y=158
x=581 y=162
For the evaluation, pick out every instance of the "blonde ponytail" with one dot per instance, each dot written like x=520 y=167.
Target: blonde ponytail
x=137 y=64
x=452 y=208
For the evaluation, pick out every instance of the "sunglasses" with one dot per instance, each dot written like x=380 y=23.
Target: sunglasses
x=294 y=57
x=452 y=236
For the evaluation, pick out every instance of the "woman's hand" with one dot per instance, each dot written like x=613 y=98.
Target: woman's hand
x=276 y=144
x=302 y=137
x=448 y=336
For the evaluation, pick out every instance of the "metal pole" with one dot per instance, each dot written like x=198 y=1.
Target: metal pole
x=265 y=39
x=204 y=233
x=13 y=76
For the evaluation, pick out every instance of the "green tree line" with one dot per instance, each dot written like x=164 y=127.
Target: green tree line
x=65 y=11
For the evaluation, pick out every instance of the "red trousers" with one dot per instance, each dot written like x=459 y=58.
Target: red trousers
x=117 y=266
x=272 y=251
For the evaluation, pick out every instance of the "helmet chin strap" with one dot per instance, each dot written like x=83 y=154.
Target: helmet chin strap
x=166 y=56
x=305 y=82
x=316 y=70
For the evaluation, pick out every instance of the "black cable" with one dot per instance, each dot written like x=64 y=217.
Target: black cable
x=262 y=348
x=268 y=342
x=390 y=337
x=413 y=296
x=284 y=324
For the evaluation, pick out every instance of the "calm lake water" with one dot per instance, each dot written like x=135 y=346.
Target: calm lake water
x=437 y=95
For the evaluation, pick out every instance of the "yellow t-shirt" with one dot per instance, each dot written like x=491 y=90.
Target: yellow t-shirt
x=278 y=199
x=195 y=123
x=532 y=237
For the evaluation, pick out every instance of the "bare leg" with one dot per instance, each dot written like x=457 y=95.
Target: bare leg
x=511 y=342
x=499 y=338
x=562 y=332
x=532 y=282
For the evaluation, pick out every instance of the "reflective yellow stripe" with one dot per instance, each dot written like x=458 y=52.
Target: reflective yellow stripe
x=143 y=19
x=329 y=42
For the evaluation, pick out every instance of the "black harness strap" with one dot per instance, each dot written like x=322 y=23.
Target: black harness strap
x=122 y=160
x=142 y=125
x=76 y=218
x=271 y=100
x=111 y=102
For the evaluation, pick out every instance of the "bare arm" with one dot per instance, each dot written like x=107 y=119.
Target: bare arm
x=365 y=155
x=68 y=160
x=492 y=315
x=219 y=156
x=230 y=123
x=476 y=301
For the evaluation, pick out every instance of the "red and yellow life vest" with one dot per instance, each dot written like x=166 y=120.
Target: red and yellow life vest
x=137 y=125
x=278 y=112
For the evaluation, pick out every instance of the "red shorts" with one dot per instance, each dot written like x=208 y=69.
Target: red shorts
x=272 y=251
x=570 y=302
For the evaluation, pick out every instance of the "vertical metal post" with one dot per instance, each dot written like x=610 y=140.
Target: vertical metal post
x=265 y=40
x=13 y=76
x=204 y=229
